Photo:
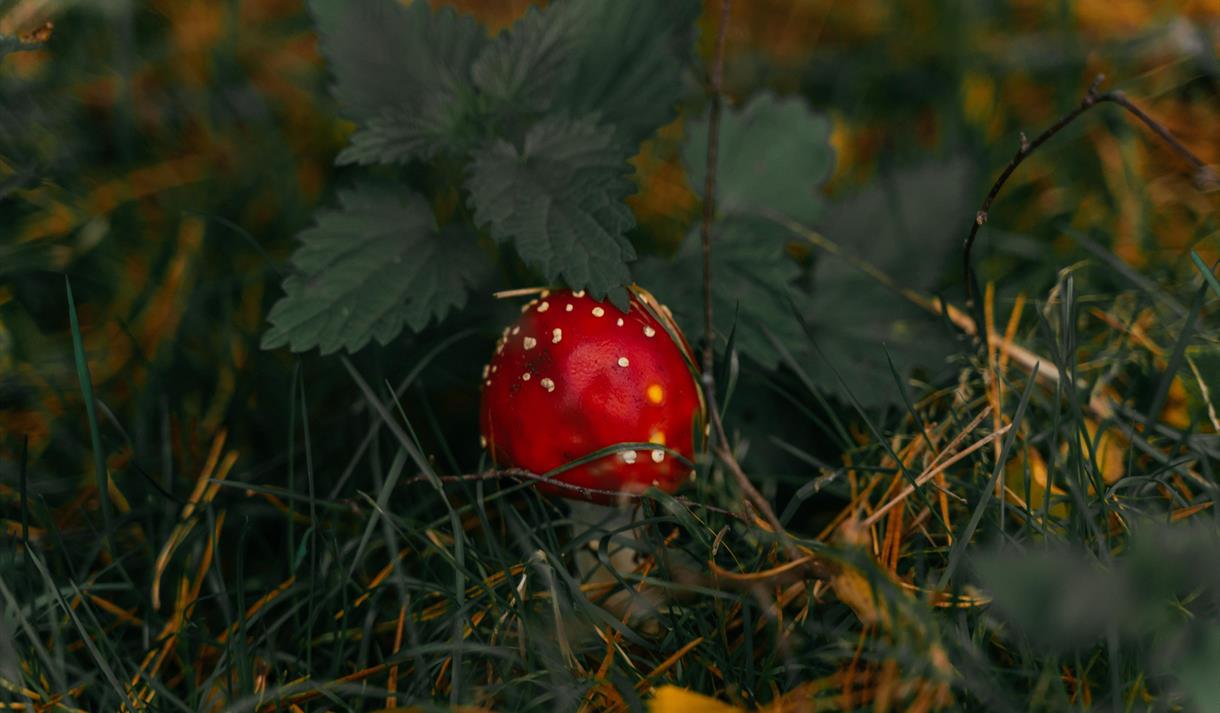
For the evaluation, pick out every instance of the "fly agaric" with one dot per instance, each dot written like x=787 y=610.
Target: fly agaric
x=575 y=375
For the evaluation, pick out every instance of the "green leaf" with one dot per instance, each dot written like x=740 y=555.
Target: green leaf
x=903 y=225
x=773 y=155
x=753 y=286
x=559 y=199
x=528 y=65
x=617 y=59
x=402 y=72
x=629 y=58
x=370 y=268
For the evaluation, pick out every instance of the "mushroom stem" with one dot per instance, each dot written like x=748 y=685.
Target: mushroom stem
x=592 y=523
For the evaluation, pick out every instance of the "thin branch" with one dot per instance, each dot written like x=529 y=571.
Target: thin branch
x=721 y=449
x=1090 y=100
x=709 y=195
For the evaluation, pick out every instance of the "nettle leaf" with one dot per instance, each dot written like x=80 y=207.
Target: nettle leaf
x=905 y=225
x=368 y=269
x=620 y=60
x=528 y=65
x=753 y=287
x=773 y=155
x=628 y=57
x=559 y=199
x=402 y=72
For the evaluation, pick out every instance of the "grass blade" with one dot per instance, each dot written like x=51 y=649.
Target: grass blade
x=95 y=436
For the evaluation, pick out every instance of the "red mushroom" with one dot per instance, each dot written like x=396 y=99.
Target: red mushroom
x=575 y=375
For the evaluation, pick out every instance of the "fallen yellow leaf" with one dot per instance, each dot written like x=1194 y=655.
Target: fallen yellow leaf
x=672 y=699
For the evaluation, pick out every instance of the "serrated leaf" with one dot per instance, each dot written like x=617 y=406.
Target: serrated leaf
x=559 y=199
x=773 y=156
x=528 y=65
x=753 y=282
x=628 y=59
x=904 y=225
x=368 y=269
x=402 y=72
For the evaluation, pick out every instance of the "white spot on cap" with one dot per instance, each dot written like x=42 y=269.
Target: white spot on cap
x=556 y=335
x=619 y=322
x=622 y=361
x=525 y=376
x=516 y=330
x=494 y=367
x=483 y=441
x=629 y=456
x=547 y=384
x=598 y=311
x=486 y=370
x=529 y=342
x=526 y=308
x=649 y=332
x=544 y=307
x=545 y=294
x=578 y=293
x=658 y=456
x=567 y=308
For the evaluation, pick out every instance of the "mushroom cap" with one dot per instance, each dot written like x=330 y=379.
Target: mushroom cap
x=574 y=376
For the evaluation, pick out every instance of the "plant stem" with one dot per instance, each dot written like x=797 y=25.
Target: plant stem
x=709 y=194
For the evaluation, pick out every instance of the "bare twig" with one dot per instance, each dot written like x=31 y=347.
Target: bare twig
x=709 y=194
x=721 y=447
x=1091 y=99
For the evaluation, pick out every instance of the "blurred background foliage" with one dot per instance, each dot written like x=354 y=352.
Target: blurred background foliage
x=163 y=155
